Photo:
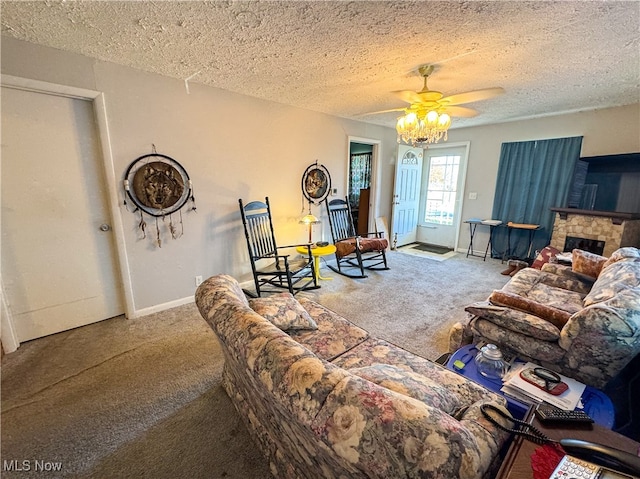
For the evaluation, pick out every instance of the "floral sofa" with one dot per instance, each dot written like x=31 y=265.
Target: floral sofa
x=325 y=399
x=581 y=320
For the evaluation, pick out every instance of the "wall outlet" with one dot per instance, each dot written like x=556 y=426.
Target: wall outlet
x=334 y=191
x=473 y=196
x=198 y=280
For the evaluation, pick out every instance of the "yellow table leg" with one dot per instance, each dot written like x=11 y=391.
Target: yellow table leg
x=317 y=267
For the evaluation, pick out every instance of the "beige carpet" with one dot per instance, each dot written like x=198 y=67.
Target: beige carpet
x=142 y=398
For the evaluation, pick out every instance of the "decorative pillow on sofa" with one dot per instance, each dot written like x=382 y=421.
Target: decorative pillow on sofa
x=410 y=384
x=587 y=263
x=555 y=316
x=544 y=256
x=284 y=311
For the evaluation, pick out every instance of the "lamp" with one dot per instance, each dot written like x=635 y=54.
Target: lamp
x=309 y=220
x=420 y=125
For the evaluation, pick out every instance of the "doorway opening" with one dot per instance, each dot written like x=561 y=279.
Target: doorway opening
x=428 y=195
x=361 y=173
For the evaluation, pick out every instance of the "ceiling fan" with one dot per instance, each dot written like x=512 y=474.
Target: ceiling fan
x=426 y=99
x=428 y=116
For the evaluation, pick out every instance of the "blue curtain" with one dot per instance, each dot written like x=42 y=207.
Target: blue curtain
x=533 y=176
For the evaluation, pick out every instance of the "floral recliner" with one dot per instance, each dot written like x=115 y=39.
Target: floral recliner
x=329 y=401
x=586 y=327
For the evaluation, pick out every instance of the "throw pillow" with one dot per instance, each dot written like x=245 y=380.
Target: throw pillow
x=284 y=311
x=555 y=316
x=544 y=256
x=587 y=263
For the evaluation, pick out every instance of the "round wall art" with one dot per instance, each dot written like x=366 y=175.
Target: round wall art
x=316 y=183
x=159 y=186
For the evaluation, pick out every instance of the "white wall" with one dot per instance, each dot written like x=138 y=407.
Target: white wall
x=232 y=146
x=235 y=146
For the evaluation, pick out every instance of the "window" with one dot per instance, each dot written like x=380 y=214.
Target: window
x=442 y=189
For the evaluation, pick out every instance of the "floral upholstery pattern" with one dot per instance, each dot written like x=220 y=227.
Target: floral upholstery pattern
x=602 y=334
x=516 y=321
x=284 y=311
x=315 y=418
x=375 y=350
x=411 y=384
x=587 y=263
x=417 y=440
x=334 y=335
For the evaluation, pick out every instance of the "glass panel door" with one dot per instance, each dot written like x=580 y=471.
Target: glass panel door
x=442 y=189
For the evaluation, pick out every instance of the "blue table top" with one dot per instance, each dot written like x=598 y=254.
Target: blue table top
x=596 y=403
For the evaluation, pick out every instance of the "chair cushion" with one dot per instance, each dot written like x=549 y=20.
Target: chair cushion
x=284 y=311
x=348 y=246
x=411 y=384
x=334 y=336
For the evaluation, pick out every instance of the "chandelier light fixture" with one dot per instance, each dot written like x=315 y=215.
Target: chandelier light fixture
x=420 y=126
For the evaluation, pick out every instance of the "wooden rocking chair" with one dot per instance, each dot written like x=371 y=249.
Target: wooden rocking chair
x=270 y=268
x=354 y=253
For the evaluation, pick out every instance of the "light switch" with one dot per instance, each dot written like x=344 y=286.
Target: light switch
x=473 y=195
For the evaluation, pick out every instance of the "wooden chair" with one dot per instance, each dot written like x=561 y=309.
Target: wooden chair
x=354 y=253
x=270 y=268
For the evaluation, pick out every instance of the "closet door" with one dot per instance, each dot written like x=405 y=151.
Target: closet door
x=58 y=255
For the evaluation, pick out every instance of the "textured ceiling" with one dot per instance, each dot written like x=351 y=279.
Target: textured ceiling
x=345 y=58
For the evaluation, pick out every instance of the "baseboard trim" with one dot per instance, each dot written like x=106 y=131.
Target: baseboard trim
x=138 y=313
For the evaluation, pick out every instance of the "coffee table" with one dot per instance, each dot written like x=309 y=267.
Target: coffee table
x=596 y=403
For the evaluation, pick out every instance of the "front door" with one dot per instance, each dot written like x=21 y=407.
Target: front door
x=441 y=196
x=58 y=266
x=406 y=195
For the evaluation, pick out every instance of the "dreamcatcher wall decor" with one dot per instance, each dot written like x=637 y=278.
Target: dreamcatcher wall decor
x=160 y=187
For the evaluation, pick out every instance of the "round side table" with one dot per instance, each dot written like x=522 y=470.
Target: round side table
x=317 y=252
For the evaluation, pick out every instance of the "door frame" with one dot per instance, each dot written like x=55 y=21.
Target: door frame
x=463 y=179
x=374 y=195
x=9 y=339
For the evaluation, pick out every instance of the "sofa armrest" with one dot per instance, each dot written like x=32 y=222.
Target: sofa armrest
x=386 y=434
x=608 y=322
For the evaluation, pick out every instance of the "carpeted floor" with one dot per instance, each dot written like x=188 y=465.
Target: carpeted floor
x=142 y=398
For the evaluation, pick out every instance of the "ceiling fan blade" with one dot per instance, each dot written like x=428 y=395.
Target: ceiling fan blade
x=461 y=111
x=408 y=95
x=382 y=111
x=471 y=96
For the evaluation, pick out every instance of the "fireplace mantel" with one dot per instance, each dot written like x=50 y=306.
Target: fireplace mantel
x=616 y=218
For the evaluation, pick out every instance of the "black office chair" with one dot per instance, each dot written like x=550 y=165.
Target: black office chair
x=354 y=253
x=270 y=268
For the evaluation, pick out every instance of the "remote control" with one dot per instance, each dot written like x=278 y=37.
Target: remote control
x=549 y=414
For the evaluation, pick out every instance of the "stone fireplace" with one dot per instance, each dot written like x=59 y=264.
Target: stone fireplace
x=614 y=229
